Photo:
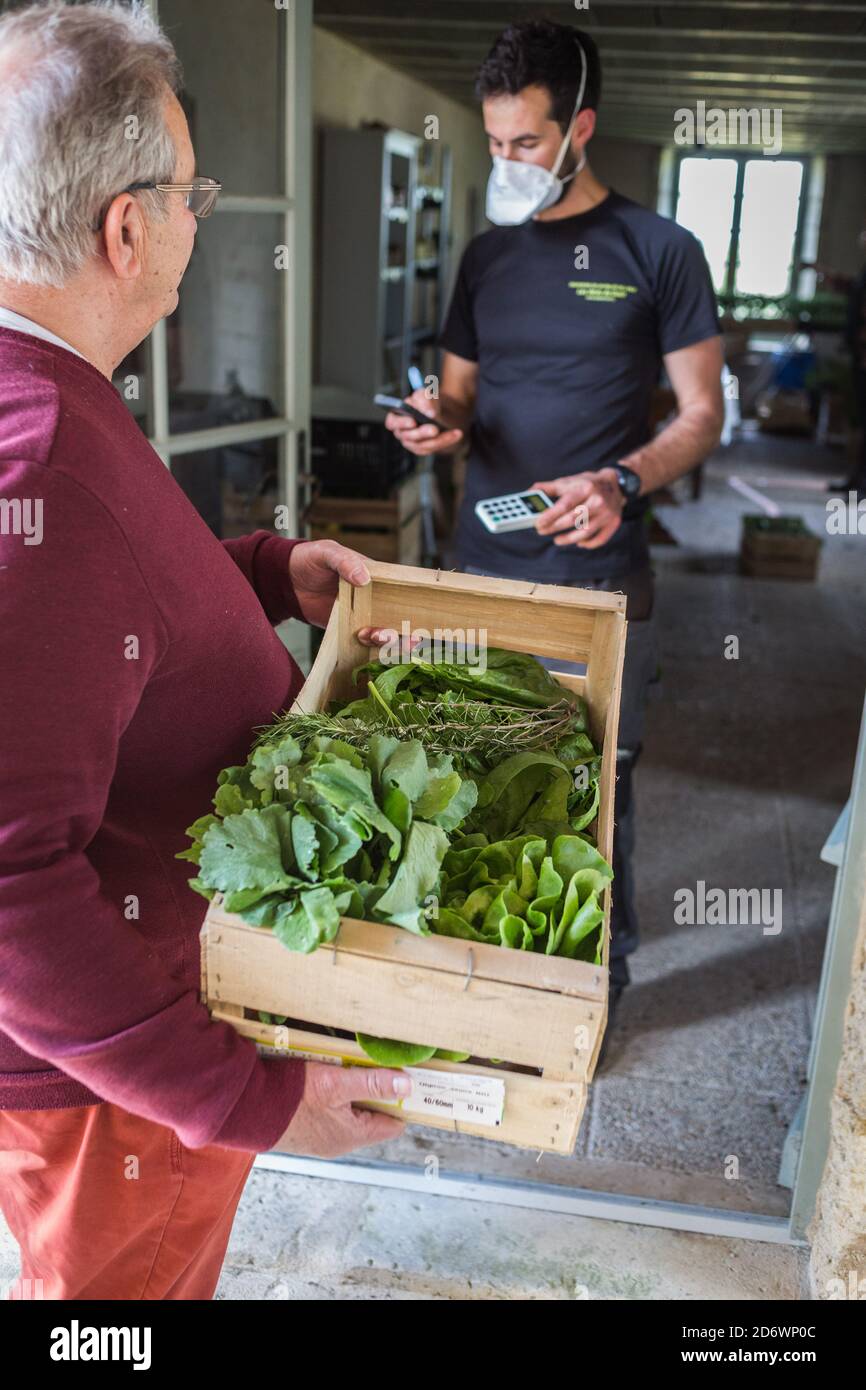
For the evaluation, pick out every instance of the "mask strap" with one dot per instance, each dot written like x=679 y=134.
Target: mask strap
x=566 y=139
x=576 y=170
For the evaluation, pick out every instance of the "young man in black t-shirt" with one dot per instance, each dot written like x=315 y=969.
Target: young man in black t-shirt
x=561 y=319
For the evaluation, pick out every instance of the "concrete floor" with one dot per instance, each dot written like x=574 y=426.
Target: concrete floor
x=307 y=1238
x=746 y=765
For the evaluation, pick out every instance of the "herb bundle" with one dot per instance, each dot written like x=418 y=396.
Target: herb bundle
x=477 y=733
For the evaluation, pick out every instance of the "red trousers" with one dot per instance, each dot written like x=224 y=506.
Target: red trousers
x=106 y=1205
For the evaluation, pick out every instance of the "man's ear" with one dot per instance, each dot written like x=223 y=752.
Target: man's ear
x=584 y=128
x=123 y=237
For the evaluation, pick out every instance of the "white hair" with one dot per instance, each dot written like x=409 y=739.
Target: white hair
x=82 y=116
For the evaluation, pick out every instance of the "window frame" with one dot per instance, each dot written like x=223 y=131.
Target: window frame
x=742 y=158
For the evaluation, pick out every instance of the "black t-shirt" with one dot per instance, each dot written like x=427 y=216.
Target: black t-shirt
x=568 y=359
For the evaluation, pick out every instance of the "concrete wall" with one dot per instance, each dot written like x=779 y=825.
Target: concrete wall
x=838 y=1231
x=844 y=213
x=627 y=166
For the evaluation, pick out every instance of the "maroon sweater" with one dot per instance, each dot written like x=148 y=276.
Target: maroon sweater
x=137 y=653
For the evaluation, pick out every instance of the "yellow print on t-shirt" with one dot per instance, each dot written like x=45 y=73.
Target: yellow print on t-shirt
x=600 y=291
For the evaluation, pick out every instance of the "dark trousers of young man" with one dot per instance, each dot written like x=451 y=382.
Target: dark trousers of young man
x=856 y=479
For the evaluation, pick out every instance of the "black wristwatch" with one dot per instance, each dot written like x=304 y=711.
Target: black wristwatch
x=629 y=481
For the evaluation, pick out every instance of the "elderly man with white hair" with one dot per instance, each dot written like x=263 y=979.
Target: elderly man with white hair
x=129 y=1120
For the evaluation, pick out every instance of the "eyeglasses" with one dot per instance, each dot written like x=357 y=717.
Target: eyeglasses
x=201 y=195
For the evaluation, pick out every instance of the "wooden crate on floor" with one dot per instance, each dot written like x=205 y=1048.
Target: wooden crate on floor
x=385 y=528
x=541 y=1017
x=777 y=555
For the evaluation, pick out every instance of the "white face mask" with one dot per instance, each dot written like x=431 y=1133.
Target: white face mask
x=516 y=189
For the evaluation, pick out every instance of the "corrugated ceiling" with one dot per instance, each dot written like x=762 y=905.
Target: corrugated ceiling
x=808 y=59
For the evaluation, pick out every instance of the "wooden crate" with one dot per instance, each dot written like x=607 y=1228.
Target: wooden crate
x=765 y=555
x=386 y=528
x=542 y=1017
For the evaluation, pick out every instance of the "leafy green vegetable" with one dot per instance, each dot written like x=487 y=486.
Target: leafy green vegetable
x=330 y=830
x=388 y=1052
x=505 y=675
x=416 y=877
x=527 y=894
x=246 y=851
x=528 y=784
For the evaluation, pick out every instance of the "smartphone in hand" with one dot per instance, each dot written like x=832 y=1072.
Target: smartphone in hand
x=403 y=408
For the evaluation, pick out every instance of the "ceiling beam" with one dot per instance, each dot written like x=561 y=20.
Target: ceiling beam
x=473 y=49
x=469 y=53
x=391 y=10
x=621 y=77
x=783 y=7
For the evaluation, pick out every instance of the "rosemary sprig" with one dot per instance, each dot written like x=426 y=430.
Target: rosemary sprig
x=485 y=730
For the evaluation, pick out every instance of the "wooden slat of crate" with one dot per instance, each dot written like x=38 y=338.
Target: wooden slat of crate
x=779 y=569
x=401 y=545
x=544 y=620
x=539 y=1113
x=326 y=679
x=384 y=528
x=453 y=1009
x=604 y=832
x=769 y=555
x=475 y=960
x=403 y=503
x=774 y=545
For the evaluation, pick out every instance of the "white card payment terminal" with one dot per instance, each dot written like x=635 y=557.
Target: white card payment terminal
x=515 y=511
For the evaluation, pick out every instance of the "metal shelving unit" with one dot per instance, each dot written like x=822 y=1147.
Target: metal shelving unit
x=384 y=235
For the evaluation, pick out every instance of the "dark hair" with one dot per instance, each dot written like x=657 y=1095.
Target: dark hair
x=541 y=53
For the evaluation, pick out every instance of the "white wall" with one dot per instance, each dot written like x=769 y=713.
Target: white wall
x=228 y=318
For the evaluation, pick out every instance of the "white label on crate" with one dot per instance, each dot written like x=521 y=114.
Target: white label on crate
x=479 y=1100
